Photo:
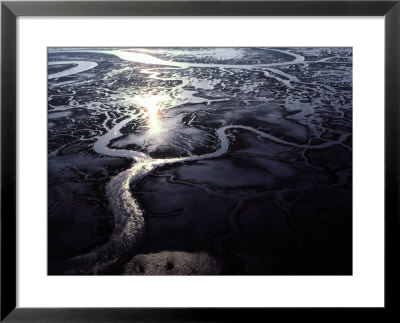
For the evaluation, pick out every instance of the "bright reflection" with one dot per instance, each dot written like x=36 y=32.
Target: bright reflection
x=152 y=105
x=143 y=58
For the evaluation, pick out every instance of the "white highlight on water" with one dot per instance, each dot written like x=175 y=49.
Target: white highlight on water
x=81 y=66
x=129 y=223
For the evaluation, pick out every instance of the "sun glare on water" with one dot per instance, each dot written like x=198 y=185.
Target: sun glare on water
x=152 y=105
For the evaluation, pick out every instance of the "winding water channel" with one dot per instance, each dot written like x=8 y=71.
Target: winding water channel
x=129 y=222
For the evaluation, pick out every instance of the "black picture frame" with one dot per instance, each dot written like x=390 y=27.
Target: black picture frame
x=10 y=10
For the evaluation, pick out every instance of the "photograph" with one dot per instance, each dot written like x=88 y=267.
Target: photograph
x=199 y=161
